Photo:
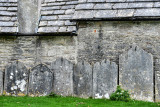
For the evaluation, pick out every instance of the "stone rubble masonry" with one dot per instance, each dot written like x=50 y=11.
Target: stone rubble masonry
x=33 y=50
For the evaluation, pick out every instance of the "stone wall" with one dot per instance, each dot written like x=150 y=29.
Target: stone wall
x=98 y=40
x=32 y=50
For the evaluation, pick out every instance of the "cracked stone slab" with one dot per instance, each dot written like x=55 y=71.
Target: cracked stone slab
x=16 y=79
x=63 y=77
x=136 y=73
x=40 y=81
x=105 y=77
x=83 y=79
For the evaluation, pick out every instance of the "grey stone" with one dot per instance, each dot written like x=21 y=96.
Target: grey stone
x=103 y=6
x=84 y=6
x=1 y=82
x=63 y=77
x=82 y=79
x=40 y=81
x=28 y=16
x=157 y=86
x=136 y=73
x=105 y=13
x=16 y=79
x=105 y=78
x=147 y=12
x=125 y=13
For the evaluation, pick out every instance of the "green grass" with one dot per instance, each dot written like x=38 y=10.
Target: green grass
x=68 y=102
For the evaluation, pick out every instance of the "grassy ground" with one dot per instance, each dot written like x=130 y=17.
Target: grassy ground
x=68 y=102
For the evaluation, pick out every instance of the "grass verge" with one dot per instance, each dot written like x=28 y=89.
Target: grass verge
x=6 y=101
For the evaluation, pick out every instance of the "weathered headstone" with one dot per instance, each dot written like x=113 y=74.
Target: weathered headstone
x=136 y=73
x=82 y=79
x=40 y=81
x=1 y=82
x=16 y=79
x=105 y=78
x=63 y=77
x=157 y=86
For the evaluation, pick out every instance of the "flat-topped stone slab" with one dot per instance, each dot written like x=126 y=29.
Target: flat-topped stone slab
x=40 y=81
x=105 y=78
x=16 y=79
x=63 y=77
x=82 y=79
x=136 y=73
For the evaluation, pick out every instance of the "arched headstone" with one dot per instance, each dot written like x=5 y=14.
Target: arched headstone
x=40 y=81
x=105 y=75
x=63 y=77
x=16 y=79
x=1 y=82
x=83 y=79
x=136 y=73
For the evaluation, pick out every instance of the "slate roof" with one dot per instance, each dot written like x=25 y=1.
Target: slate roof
x=8 y=16
x=116 y=9
x=56 y=15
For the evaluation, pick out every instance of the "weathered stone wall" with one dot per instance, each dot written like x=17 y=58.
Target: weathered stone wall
x=32 y=50
x=108 y=39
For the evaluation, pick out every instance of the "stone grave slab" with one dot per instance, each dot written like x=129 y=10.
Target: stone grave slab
x=63 y=77
x=40 y=81
x=105 y=78
x=136 y=73
x=83 y=80
x=16 y=79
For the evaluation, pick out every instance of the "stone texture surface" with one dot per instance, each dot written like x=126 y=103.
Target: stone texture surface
x=28 y=16
x=55 y=14
x=82 y=79
x=116 y=9
x=63 y=77
x=105 y=79
x=16 y=79
x=8 y=16
x=40 y=81
x=157 y=86
x=136 y=73
x=1 y=82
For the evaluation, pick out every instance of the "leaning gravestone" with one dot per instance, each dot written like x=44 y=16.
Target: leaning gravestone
x=40 y=81
x=1 y=82
x=136 y=73
x=105 y=78
x=63 y=77
x=16 y=79
x=83 y=79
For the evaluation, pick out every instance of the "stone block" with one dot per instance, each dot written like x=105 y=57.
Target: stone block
x=1 y=82
x=105 y=78
x=63 y=77
x=16 y=79
x=83 y=79
x=136 y=73
x=40 y=81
